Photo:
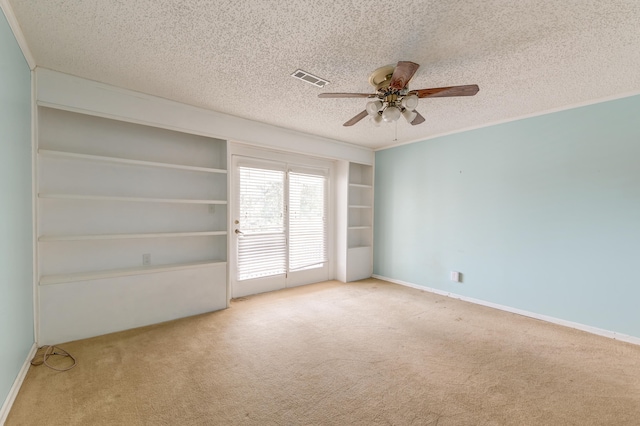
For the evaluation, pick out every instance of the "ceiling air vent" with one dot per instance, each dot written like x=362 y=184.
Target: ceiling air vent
x=309 y=78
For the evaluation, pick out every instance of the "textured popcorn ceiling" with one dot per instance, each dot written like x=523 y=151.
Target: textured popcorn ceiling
x=527 y=56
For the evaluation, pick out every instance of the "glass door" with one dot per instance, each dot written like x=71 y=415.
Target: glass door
x=279 y=226
x=307 y=206
x=259 y=227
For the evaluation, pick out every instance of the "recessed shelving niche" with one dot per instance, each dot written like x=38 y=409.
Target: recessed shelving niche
x=359 y=222
x=110 y=191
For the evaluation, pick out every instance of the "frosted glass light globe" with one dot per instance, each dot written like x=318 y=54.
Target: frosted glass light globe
x=409 y=115
x=410 y=102
x=391 y=114
x=373 y=107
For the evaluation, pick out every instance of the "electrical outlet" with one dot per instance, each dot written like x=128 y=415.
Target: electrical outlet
x=146 y=259
x=455 y=276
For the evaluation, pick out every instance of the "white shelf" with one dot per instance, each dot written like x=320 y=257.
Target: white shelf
x=359 y=185
x=51 y=238
x=354 y=206
x=73 y=155
x=131 y=199
x=359 y=227
x=96 y=275
x=359 y=247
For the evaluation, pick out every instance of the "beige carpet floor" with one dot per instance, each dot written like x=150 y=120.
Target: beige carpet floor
x=365 y=353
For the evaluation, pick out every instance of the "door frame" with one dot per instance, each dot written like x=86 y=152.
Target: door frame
x=260 y=154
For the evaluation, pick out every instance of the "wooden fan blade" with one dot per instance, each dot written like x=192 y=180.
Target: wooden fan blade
x=418 y=120
x=347 y=95
x=402 y=74
x=357 y=118
x=443 y=92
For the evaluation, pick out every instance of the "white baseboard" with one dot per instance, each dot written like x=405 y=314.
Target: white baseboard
x=589 y=329
x=13 y=392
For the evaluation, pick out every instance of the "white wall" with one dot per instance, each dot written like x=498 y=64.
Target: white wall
x=540 y=215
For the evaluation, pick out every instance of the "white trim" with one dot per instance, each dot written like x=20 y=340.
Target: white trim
x=230 y=224
x=589 y=329
x=34 y=208
x=17 y=383
x=17 y=33
x=520 y=117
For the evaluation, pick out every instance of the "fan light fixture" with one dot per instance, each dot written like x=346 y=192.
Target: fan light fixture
x=391 y=113
x=410 y=102
x=373 y=107
x=409 y=115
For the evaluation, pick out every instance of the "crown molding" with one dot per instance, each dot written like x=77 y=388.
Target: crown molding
x=17 y=32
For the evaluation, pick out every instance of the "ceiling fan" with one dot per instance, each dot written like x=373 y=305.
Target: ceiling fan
x=393 y=97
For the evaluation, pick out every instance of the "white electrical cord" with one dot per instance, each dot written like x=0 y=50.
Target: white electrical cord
x=51 y=351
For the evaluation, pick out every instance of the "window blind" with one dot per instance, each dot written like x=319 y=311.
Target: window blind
x=307 y=220
x=262 y=247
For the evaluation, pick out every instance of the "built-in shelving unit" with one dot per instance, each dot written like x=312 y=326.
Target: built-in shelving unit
x=360 y=222
x=118 y=200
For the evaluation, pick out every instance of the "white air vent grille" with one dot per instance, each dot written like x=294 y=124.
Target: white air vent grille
x=309 y=78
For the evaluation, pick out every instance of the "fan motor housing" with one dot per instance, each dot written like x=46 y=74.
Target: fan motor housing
x=381 y=77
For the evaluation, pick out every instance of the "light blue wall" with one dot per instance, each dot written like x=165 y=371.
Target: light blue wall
x=16 y=286
x=540 y=214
